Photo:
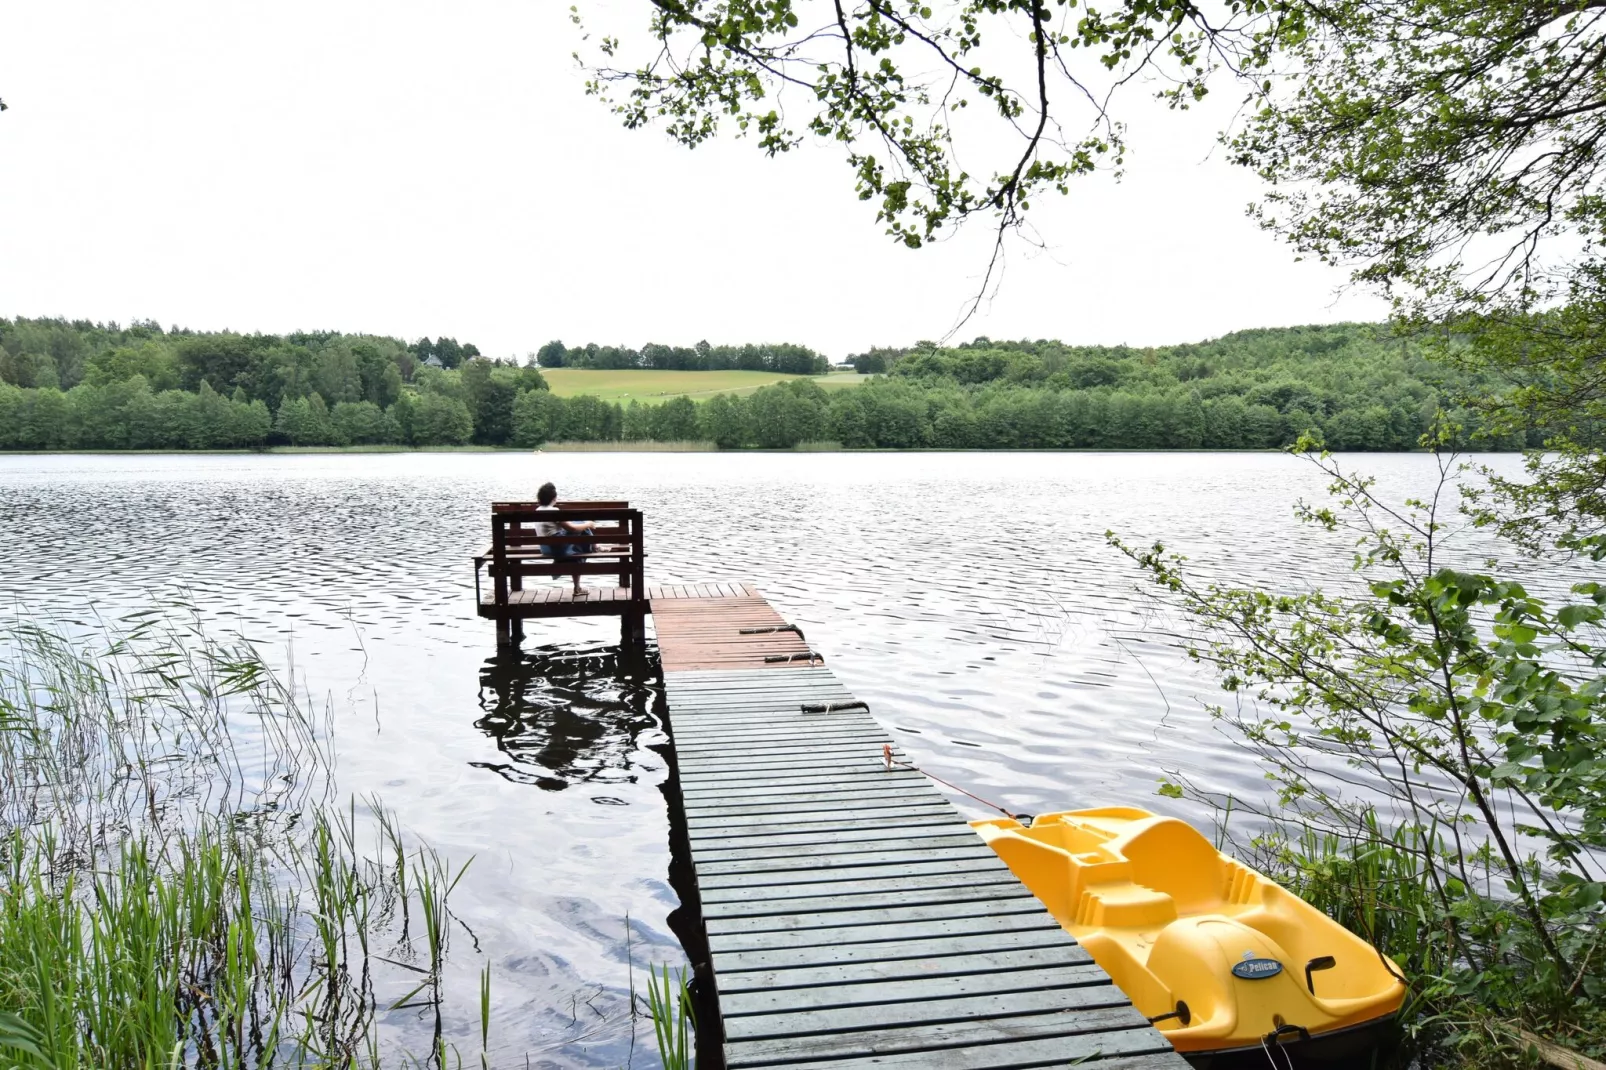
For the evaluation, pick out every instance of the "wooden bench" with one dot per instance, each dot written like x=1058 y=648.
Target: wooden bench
x=516 y=552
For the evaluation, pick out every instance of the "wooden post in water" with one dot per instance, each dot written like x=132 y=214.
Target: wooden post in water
x=633 y=577
x=515 y=582
x=500 y=583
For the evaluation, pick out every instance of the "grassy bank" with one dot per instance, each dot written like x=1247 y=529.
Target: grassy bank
x=651 y=387
x=381 y=448
x=628 y=447
x=609 y=446
x=270 y=449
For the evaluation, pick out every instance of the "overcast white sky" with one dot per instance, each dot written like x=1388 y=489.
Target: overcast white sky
x=418 y=168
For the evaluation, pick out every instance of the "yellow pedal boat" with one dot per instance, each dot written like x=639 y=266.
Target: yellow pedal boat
x=1220 y=958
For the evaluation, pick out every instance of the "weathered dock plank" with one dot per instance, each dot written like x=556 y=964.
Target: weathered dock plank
x=1049 y=979
x=853 y=919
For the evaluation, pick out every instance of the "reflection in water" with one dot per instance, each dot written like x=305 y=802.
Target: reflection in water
x=568 y=714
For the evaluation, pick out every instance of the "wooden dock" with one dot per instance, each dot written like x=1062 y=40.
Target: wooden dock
x=853 y=918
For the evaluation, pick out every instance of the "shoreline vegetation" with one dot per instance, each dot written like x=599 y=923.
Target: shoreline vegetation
x=611 y=447
x=1357 y=387
x=185 y=888
x=1434 y=747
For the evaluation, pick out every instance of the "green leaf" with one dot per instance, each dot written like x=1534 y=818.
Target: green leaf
x=1572 y=616
x=19 y=1035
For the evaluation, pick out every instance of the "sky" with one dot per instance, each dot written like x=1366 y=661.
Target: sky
x=424 y=168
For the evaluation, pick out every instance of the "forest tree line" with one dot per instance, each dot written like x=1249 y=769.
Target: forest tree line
x=88 y=386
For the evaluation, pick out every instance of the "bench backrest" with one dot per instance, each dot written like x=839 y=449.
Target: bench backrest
x=515 y=522
x=616 y=524
x=524 y=507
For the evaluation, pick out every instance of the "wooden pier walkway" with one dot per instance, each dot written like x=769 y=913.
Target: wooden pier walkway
x=853 y=918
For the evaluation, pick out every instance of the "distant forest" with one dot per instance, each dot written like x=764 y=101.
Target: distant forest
x=78 y=385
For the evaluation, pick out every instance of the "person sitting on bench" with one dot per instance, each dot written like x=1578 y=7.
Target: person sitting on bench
x=544 y=499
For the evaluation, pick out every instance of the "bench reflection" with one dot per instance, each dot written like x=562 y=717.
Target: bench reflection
x=567 y=714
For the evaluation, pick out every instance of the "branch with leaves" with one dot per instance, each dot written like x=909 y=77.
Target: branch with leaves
x=1442 y=713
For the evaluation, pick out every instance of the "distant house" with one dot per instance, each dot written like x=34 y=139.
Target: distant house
x=845 y=366
x=432 y=361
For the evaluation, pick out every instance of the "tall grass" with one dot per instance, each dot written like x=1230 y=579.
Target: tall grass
x=669 y=1001
x=179 y=888
x=1373 y=884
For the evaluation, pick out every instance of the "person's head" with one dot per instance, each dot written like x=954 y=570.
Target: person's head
x=546 y=495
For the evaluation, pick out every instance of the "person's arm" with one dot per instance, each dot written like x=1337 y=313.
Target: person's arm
x=578 y=525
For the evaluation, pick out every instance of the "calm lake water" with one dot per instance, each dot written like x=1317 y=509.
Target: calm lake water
x=971 y=599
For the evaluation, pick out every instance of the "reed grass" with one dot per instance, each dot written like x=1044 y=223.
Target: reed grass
x=669 y=1002
x=1373 y=885
x=1387 y=883
x=180 y=889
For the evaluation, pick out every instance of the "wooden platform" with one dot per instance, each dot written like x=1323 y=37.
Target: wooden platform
x=708 y=633
x=853 y=917
x=558 y=600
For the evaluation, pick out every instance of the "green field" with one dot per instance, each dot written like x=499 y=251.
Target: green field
x=650 y=387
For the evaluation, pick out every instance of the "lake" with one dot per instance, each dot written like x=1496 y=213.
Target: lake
x=970 y=599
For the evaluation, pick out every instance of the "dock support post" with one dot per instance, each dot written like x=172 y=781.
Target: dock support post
x=633 y=628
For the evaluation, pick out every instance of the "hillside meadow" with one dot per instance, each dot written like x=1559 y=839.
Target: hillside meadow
x=651 y=386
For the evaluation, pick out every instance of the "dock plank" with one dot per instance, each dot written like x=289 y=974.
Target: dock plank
x=835 y=975
x=885 y=810
x=1048 y=1000
x=831 y=848
x=805 y=874
x=990 y=923
x=839 y=794
x=1086 y=1032
x=785 y=828
x=910 y=948
x=734 y=1005
x=979 y=906
x=769 y=910
x=1022 y=1055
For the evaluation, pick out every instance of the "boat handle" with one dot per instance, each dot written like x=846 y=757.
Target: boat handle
x=833 y=707
x=1276 y=1035
x=1181 y=1014
x=1320 y=962
x=769 y=628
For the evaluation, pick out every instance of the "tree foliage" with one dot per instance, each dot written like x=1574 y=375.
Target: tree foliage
x=1444 y=720
x=1361 y=387
x=1388 y=133
x=81 y=385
